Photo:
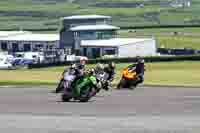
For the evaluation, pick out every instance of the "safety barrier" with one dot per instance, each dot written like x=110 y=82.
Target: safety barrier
x=124 y=60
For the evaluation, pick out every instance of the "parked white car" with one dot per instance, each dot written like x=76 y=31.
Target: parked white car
x=4 y=62
x=76 y=58
x=36 y=56
x=81 y=58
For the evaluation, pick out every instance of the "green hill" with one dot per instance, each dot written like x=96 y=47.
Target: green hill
x=43 y=14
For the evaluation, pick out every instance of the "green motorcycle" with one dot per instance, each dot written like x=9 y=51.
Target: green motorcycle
x=82 y=89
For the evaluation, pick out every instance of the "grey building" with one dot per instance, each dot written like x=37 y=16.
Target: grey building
x=94 y=36
x=85 y=27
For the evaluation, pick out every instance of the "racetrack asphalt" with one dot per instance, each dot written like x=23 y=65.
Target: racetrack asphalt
x=145 y=109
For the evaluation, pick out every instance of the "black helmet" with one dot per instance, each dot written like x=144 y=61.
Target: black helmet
x=80 y=66
x=111 y=64
x=73 y=65
x=139 y=59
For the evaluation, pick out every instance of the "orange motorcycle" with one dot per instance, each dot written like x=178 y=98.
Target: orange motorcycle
x=129 y=78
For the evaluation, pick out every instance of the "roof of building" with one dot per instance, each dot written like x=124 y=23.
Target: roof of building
x=87 y=17
x=12 y=33
x=112 y=42
x=94 y=27
x=28 y=36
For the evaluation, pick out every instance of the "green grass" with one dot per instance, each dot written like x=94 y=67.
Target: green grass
x=175 y=73
x=178 y=42
x=151 y=14
x=29 y=6
x=169 y=73
x=186 y=38
x=161 y=32
x=46 y=14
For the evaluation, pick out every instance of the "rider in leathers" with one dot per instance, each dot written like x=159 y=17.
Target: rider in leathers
x=76 y=69
x=110 y=70
x=140 y=70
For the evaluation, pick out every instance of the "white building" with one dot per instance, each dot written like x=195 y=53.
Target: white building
x=20 y=41
x=120 y=47
x=180 y=3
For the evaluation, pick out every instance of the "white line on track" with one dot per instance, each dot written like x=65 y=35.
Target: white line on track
x=46 y=124
x=192 y=97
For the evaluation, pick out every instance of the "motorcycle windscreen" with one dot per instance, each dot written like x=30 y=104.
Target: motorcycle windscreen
x=68 y=77
x=82 y=84
x=93 y=80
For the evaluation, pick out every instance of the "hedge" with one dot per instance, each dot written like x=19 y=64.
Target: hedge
x=160 y=26
x=148 y=59
x=124 y=60
x=122 y=27
x=43 y=65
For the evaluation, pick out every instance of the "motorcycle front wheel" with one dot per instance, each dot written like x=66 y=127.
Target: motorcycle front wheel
x=86 y=95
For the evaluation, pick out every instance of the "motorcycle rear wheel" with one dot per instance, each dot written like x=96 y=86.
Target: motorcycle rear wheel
x=60 y=87
x=121 y=84
x=66 y=97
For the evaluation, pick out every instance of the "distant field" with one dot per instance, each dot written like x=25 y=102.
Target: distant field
x=45 y=14
x=169 y=73
x=169 y=37
x=40 y=14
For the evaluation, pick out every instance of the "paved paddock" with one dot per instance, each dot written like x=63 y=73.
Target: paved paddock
x=146 y=109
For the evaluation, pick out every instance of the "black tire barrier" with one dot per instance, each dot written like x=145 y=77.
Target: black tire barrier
x=165 y=51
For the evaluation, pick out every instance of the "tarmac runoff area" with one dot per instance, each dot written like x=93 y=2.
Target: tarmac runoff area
x=144 y=110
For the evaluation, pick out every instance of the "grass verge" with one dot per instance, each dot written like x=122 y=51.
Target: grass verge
x=166 y=73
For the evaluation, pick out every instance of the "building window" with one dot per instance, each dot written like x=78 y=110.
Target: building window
x=110 y=52
x=27 y=47
x=99 y=35
x=39 y=47
x=87 y=35
x=51 y=47
x=105 y=34
x=92 y=35
x=68 y=51
x=96 y=52
x=85 y=51
x=15 y=47
x=4 y=46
